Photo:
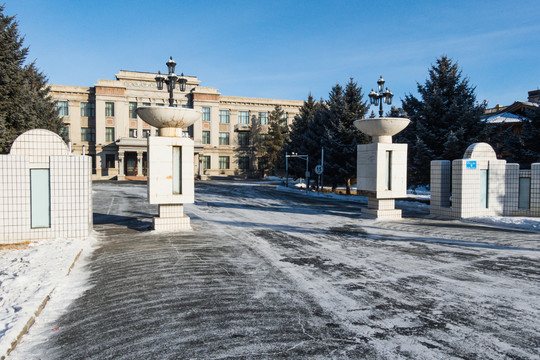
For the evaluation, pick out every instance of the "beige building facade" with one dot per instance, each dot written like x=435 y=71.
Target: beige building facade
x=101 y=121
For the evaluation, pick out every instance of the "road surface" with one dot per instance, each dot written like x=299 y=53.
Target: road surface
x=274 y=274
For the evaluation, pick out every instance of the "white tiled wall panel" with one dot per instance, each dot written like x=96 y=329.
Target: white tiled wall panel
x=70 y=187
x=464 y=185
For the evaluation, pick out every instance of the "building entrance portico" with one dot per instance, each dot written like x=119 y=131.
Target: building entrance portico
x=130 y=163
x=132 y=158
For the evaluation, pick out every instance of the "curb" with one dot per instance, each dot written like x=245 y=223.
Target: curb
x=32 y=319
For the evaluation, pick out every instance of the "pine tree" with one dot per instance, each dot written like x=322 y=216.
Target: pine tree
x=344 y=107
x=522 y=147
x=394 y=112
x=300 y=138
x=25 y=102
x=277 y=135
x=530 y=135
x=447 y=104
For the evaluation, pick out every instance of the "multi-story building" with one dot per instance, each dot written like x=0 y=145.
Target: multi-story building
x=102 y=122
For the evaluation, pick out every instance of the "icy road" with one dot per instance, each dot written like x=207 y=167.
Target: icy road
x=271 y=274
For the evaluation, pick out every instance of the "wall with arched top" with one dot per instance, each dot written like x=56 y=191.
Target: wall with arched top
x=45 y=191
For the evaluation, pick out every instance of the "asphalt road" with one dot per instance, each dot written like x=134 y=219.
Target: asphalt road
x=270 y=274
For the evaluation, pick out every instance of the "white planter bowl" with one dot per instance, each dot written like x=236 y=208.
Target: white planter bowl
x=168 y=117
x=382 y=129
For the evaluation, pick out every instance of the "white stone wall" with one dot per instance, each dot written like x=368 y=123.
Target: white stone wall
x=160 y=187
x=70 y=189
x=457 y=194
x=371 y=169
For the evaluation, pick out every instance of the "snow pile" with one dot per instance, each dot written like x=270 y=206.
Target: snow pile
x=29 y=274
x=513 y=222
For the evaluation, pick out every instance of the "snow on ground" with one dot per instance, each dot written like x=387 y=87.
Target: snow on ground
x=422 y=195
x=30 y=273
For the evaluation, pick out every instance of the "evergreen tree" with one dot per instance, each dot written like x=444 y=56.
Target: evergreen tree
x=25 y=102
x=254 y=150
x=300 y=138
x=447 y=104
x=394 y=112
x=344 y=107
x=521 y=147
x=530 y=135
x=274 y=142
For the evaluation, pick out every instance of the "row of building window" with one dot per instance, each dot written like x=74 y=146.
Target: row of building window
x=224 y=162
x=243 y=116
x=89 y=134
x=89 y=110
x=243 y=138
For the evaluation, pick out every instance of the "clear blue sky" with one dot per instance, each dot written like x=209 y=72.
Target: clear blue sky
x=285 y=49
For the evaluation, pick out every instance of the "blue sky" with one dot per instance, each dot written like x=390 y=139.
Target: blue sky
x=286 y=49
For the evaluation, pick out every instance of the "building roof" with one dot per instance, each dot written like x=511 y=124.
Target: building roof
x=504 y=117
x=509 y=114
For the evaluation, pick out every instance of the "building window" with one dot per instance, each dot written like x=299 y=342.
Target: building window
x=223 y=162
x=205 y=163
x=157 y=132
x=206 y=114
x=224 y=116
x=132 y=110
x=160 y=104
x=109 y=134
x=243 y=139
x=262 y=163
x=283 y=121
x=88 y=109
x=88 y=134
x=243 y=162
x=223 y=138
x=263 y=118
x=109 y=109
x=146 y=133
x=146 y=104
x=132 y=133
x=263 y=137
x=109 y=161
x=62 y=108
x=206 y=137
x=65 y=131
x=243 y=117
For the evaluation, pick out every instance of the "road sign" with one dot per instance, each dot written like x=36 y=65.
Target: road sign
x=318 y=169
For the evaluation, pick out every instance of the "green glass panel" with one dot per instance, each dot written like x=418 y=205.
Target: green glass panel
x=177 y=170
x=524 y=193
x=484 y=189
x=40 y=198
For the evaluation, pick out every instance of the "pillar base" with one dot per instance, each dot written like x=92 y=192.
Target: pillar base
x=171 y=218
x=383 y=209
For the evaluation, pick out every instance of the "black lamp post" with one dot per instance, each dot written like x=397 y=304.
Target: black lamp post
x=377 y=98
x=171 y=80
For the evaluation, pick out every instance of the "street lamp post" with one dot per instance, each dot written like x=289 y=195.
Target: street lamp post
x=171 y=80
x=377 y=98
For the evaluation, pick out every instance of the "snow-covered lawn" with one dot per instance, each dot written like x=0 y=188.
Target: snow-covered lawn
x=30 y=273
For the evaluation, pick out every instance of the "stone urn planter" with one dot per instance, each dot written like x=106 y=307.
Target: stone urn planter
x=171 y=181
x=382 y=166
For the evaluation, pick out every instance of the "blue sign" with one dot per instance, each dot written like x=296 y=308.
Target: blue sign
x=471 y=164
